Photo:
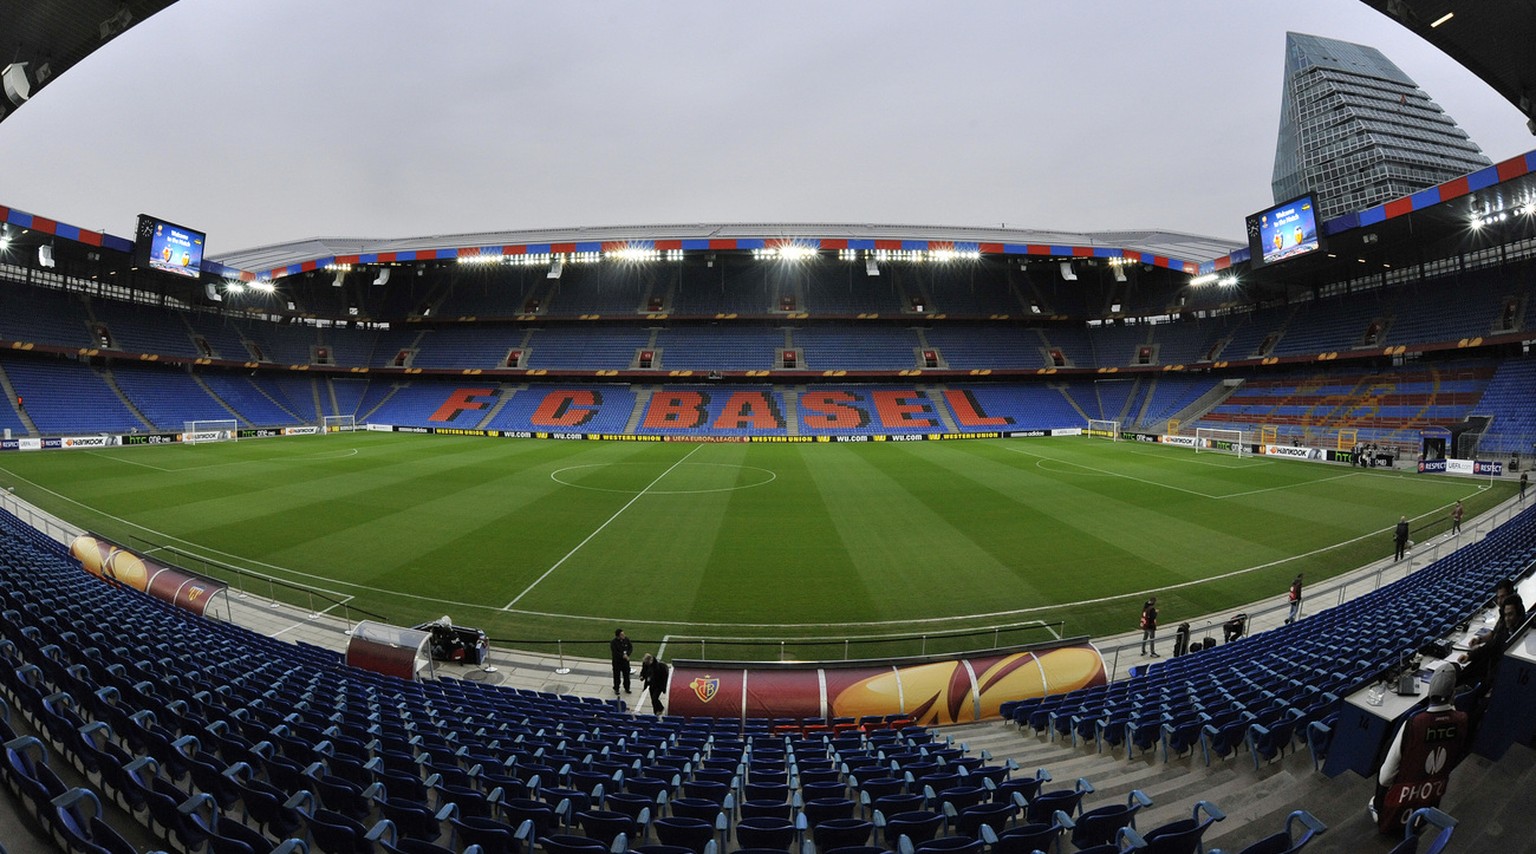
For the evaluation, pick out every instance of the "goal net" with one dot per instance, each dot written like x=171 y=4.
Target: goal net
x=219 y=430
x=1220 y=441
x=1104 y=429
x=339 y=424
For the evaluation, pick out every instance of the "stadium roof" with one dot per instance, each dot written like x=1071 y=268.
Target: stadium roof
x=1493 y=39
x=44 y=39
x=1172 y=249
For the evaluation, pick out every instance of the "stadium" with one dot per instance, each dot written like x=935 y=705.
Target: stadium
x=888 y=498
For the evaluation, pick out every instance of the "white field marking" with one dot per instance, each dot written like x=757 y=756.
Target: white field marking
x=610 y=620
x=1041 y=465
x=1195 y=492
x=1289 y=485
x=1180 y=488
x=302 y=622
x=628 y=504
x=1166 y=453
x=116 y=459
x=336 y=454
x=772 y=476
x=167 y=537
x=661 y=651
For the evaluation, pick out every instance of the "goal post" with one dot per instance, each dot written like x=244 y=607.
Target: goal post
x=1221 y=441
x=213 y=430
x=338 y=424
x=1104 y=429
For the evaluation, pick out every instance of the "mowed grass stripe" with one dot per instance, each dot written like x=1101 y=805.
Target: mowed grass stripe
x=883 y=533
x=781 y=557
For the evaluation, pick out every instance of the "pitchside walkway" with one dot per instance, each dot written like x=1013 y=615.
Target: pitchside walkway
x=1486 y=798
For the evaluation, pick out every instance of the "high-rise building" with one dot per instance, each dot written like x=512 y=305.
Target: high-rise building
x=1357 y=131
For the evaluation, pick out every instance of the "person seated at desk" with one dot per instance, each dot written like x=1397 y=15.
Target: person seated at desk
x=1422 y=754
x=1478 y=661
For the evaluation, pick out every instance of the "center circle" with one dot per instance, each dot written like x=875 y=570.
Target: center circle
x=765 y=476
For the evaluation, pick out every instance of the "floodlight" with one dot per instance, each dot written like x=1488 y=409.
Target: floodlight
x=1205 y=279
x=263 y=286
x=634 y=254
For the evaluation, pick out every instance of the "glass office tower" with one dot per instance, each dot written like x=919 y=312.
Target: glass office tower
x=1357 y=131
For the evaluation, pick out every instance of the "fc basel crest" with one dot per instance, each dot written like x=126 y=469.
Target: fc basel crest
x=705 y=688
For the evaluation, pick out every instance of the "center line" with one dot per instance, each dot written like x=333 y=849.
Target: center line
x=600 y=528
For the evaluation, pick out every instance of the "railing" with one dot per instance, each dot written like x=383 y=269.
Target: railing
x=952 y=642
x=246 y=582
x=52 y=526
x=1120 y=652
x=1123 y=653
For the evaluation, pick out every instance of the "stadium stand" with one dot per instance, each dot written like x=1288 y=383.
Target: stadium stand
x=956 y=298
x=168 y=398
x=254 y=722
x=136 y=328
x=876 y=348
x=1509 y=403
x=1235 y=695
x=585 y=348
x=1338 y=324
x=709 y=348
x=255 y=406
x=588 y=409
x=349 y=395
x=1387 y=406
x=605 y=292
x=1169 y=395
x=223 y=337
x=65 y=397
x=848 y=292
x=1104 y=399
x=968 y=347
x=39 y=315
x=1118 y=346
x=9 y=419
x=466 y=347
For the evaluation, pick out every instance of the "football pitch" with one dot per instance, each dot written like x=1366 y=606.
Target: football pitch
x=537 y=540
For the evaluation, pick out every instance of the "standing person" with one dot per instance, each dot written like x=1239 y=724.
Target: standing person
x=1149 y=627
x=1295 y=596
x=1428 y=746
x=1400 y=537
x=653 y=676
x=619 y=649
x=1456 y=513
x=1525 y=480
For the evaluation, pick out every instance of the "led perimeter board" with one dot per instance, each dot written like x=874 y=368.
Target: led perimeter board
x=168 y=247
x=1284 y=231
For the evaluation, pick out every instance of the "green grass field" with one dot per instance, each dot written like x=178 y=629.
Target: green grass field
x=536 y=540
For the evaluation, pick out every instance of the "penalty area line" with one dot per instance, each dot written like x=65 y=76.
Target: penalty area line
x=628 y=504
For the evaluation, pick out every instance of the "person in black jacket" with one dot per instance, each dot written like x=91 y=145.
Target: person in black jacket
x=1400 y=537
x=653 y=676
x=619 y=649
x=1149 y=627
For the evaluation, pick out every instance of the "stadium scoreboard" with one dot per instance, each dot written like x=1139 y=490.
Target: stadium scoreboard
x=1284 y=231
x=168 y=247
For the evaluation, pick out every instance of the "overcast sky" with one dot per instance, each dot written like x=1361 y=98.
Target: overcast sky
x=263 y=121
